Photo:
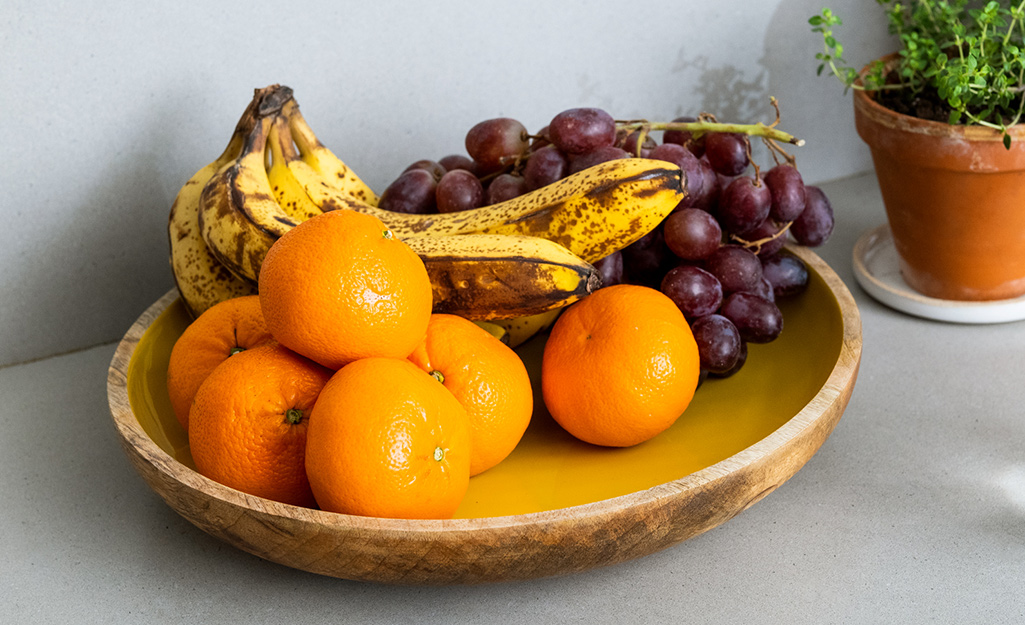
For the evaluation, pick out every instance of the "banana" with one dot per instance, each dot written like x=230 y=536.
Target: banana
x=602 y=209
x=324 y=161
x=518 y=258
x=289 y=194
x=519 y=330
x=239 y=216
x=593 y=213
x=201 y=280
x=489 y=276
x=494 y=330
x=477 y=276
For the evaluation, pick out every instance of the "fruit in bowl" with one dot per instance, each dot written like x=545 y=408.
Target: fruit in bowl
x=369 y=292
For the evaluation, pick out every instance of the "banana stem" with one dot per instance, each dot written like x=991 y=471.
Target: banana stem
x=699 y=128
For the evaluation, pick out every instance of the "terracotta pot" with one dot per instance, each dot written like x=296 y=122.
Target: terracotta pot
x=955 y=201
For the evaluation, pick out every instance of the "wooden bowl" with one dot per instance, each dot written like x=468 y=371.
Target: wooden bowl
x=556 y=505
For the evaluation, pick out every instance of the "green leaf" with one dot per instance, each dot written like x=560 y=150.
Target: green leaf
x=1007 y=141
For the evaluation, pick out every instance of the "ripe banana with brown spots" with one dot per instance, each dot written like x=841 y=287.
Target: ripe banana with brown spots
x=519 y=330
x=483 y=276
x=201 y=279
x=592 y=213
x=494 y=330
x=323 y=161
x=600 y=210
x=239 y=216
x=497 y=276
x=528 y=255
x=289 y=194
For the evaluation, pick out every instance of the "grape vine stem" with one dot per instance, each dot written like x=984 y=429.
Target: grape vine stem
x=756 y=246
x=698 y=128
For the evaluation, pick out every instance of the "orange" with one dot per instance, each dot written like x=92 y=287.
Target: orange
x=387 y=440
x=488 y=379
x=224 y=329
x=249 y=421
x=340 y=286
x=620 y=366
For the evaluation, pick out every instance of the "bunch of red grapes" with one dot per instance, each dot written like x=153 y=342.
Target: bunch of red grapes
x=719 y=255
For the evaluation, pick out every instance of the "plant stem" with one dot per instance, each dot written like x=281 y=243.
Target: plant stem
x=699 y=128
x=1014 y=21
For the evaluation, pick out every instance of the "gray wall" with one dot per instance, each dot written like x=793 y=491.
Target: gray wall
x=107 y=108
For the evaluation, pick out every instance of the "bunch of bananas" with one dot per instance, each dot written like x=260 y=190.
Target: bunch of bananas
x=515 y=264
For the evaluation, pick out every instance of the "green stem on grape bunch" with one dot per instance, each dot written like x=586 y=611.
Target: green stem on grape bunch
x=698 y=128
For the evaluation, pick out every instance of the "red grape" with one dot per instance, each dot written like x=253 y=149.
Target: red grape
x=815 y=224
x=505 y=187
x=787 y=274
x=642 y=150
x=580 y=162
x=611 y=269
x=645 y=260
x=743 y=205
x=694 y=291
x=766 y=230
x=459 y=190
x=726 y=152
x=757 y=319
x=692 y=171
x=684 y=137
x=580 y=130
x=692 y=234
x=540 y=140
x=764 y=289
x=787 y=190
x=456 y=161
x=707 y=195
x=434 y=167
x=411 y=192
x=544 y=167
x=741 y=359
x=736 y=268
x=719 y=343
x=494 y=142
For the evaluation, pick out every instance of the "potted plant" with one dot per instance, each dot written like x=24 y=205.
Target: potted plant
x=941 y=118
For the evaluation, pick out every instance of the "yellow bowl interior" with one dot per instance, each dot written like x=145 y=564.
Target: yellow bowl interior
x=550 y=469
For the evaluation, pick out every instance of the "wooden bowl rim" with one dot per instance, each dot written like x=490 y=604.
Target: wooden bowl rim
x=840 y=378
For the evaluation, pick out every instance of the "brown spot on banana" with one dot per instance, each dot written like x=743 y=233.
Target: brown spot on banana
x=608 y=217
x=667 y=178
x=502 y=288
x=586 y=192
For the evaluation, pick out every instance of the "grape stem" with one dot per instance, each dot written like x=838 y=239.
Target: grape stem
x=756 y=246
x=758 y=170
x=774 y=148
x=776 y=151
x=701 y=127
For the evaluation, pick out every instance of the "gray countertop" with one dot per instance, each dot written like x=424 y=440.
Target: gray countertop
x=913 y=511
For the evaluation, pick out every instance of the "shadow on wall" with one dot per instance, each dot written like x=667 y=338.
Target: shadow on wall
x=814 y=108
x=725 y=91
